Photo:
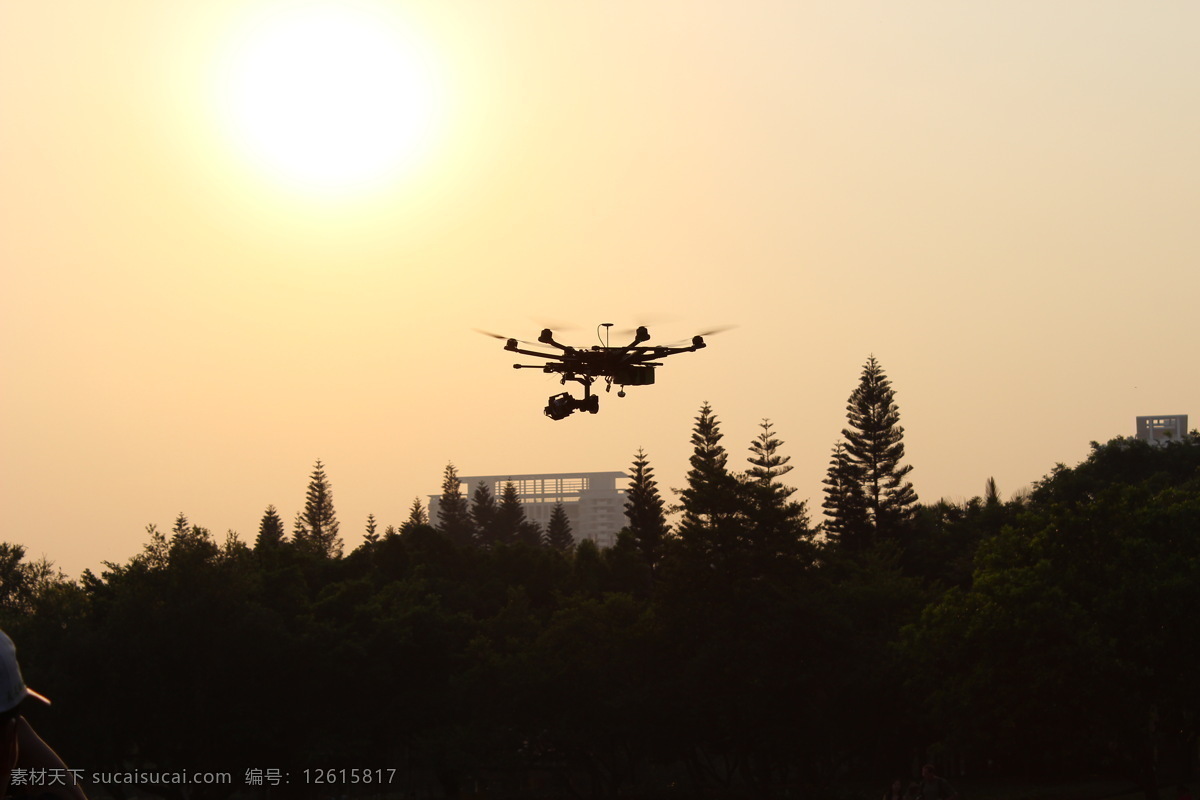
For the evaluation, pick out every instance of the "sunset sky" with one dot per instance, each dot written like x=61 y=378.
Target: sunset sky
x=238 y=237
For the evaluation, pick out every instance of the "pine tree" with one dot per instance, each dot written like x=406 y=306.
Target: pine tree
x=778 y=524
x=766 y=463
x=713 y=502
x=510 y=516
x=316 y=527
x=845 y=524
x=270 y=530
x=483 y=514
x=558 y=533
x=874 y=447
x=190 y=542
x=416 y=516
x=453 y=518
x=372 y=535
x=645 y=511
x=530 y=532
x=711 y=489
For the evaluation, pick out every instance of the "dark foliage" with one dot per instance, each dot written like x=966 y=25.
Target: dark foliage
x=1062 y=625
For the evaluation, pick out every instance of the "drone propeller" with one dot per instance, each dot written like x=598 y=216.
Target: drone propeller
x=509 y=338
x=709 y=332
x=489 y=333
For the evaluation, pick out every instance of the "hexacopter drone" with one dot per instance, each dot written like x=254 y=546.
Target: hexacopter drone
x=629 y=365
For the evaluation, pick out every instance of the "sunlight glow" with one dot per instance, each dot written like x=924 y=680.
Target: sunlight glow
x=330 y=99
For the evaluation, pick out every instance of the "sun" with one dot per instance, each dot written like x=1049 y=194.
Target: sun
x=329 y=98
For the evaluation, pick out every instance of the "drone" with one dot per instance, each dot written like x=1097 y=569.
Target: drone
x=629 y=365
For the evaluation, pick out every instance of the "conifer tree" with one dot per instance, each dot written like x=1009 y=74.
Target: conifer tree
x=530 y=532
x=766 y=463
x=190 y=542
x=778 y=524
x=510 y=516
x=712 y=503
x=558 y=533
x=483 y=514
x=710 y=487
x=270 y=530
x=454 y=519
x=372 y=535
x=416 y=516
x=845 y=524
x=874 y=448
x=645 y=511
x=316 y=527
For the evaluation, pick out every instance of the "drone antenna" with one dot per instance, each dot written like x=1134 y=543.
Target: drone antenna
x=607 y=330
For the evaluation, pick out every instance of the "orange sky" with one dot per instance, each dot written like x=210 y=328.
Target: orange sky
x=997 y=199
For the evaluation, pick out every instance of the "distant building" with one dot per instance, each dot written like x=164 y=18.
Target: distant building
x=1162 y=429
x=594 y=504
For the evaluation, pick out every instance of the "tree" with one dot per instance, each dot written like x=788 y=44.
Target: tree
x=372 y=535
x=715 y=531
x=645 y=511
x=558 y=533
x=711 y=492
x=873 y=450
x=1087 y=593
x=511 y=523
x=416 y=516
x=316 y=527
x=22 y=583
x=270 y=530
x=845 y=525
x=483 y=514
x=454 y=520
x=778 y=524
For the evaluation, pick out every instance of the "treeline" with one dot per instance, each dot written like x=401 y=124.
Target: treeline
x=741 y=650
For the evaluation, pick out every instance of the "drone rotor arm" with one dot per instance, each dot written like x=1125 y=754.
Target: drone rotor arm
x=534 y=353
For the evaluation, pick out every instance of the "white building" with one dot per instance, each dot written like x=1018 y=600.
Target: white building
x=1162 y=428
x=594 y=504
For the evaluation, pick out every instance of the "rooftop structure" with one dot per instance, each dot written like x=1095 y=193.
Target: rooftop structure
x=594 y=504
x=1162 y=428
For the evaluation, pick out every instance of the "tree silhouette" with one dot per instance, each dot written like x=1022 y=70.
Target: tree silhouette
x=511 y=523
x=845 y=526
x=316 y=527
x=270 y=530
x=558 y=533
x=483 y=514
x=779 y=524
x=372 y=534
x=416 y=516
x=715 y=528
x=874 y=448
x=645 y=511
x=711 y=491
x=453 y=518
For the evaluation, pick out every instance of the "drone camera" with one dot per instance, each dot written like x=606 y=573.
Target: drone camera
x=560 y=406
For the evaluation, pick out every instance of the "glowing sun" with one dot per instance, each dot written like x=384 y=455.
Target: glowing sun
x=329 y=98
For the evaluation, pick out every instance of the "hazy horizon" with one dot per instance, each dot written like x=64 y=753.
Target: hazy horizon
x=204 y=294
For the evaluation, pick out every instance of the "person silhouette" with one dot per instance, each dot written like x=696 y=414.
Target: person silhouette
x=20 y=746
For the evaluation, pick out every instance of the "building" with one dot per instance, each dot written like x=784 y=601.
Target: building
x=1162 y=428
x=594 y=504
